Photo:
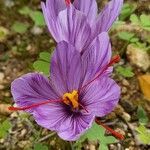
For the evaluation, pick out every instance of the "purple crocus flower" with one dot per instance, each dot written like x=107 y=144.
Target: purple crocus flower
x=78 y=22
x=79 y=89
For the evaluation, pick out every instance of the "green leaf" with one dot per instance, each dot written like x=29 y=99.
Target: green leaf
x=142 y=46
x=134 y=40
x=45 y=56
x=144 y=134
x=39 y=146
x=143 y=119
x=146 y=28
x=38 y=18
x=95 y=133
x=127 y=10
x=25 y=11
x=126 y=72
x=41 y=66
x=3 y=33
x=126 y=36
x=134 y=19
x=4 y=127
x=43 y=63
x=20 y=27
x=145 y=20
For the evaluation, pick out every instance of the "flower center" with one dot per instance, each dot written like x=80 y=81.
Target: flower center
x=71 y=99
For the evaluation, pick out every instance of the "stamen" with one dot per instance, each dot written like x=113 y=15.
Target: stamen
x=33 y=105
x=114 y=133
x=68 y=2
x=71 y=98
x=114 y=60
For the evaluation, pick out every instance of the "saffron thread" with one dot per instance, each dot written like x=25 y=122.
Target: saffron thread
x=39 y=104
x=33 y=105
x=114 y=133
x=68 y=2
x=114 y=60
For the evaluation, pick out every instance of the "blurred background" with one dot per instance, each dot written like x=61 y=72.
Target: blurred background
x=26 y=46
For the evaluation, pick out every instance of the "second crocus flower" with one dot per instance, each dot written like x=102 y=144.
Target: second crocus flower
x=79 y=22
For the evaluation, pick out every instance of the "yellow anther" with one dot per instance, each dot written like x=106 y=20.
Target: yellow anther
x=71 y=98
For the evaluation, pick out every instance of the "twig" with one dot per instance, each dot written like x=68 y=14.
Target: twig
x=38 y=135
x=131 y=128
x=46 y=137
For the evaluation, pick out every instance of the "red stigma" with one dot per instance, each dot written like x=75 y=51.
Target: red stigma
x=33 y=105
x=114 y=60
x=39 y=104
x=114 y=133
x=68 y=2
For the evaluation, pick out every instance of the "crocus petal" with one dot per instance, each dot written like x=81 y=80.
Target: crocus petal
x=74 y=27
x=66 y=68
x=51 y=116
x=107 y=17
x=32 y=88
x=96 y=57
x=57 y=117
x=101 y=96
x=77 y=126
x=51 y=9
x=88 y=7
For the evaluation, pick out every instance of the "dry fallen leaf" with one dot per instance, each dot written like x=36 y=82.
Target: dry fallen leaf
x=144 y=81
x=4 y=109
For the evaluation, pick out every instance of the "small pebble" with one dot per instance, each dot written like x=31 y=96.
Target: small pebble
x=112 y=147
x=125 y=82
x=124 y=90
x=24 y=144
x=132 y=143
x=52 y=143
x=2 y=87
x=1 y=76
x=9 y=3
x=2 y=140
x=119 y=146
x=92 y=147
x=126 y=116
x=138 y=56
x=36 y=30
x=7 y=94
x=20 y=125
x=126 y=96
x=14 y=115
x=129 y=135
x=23 y=132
